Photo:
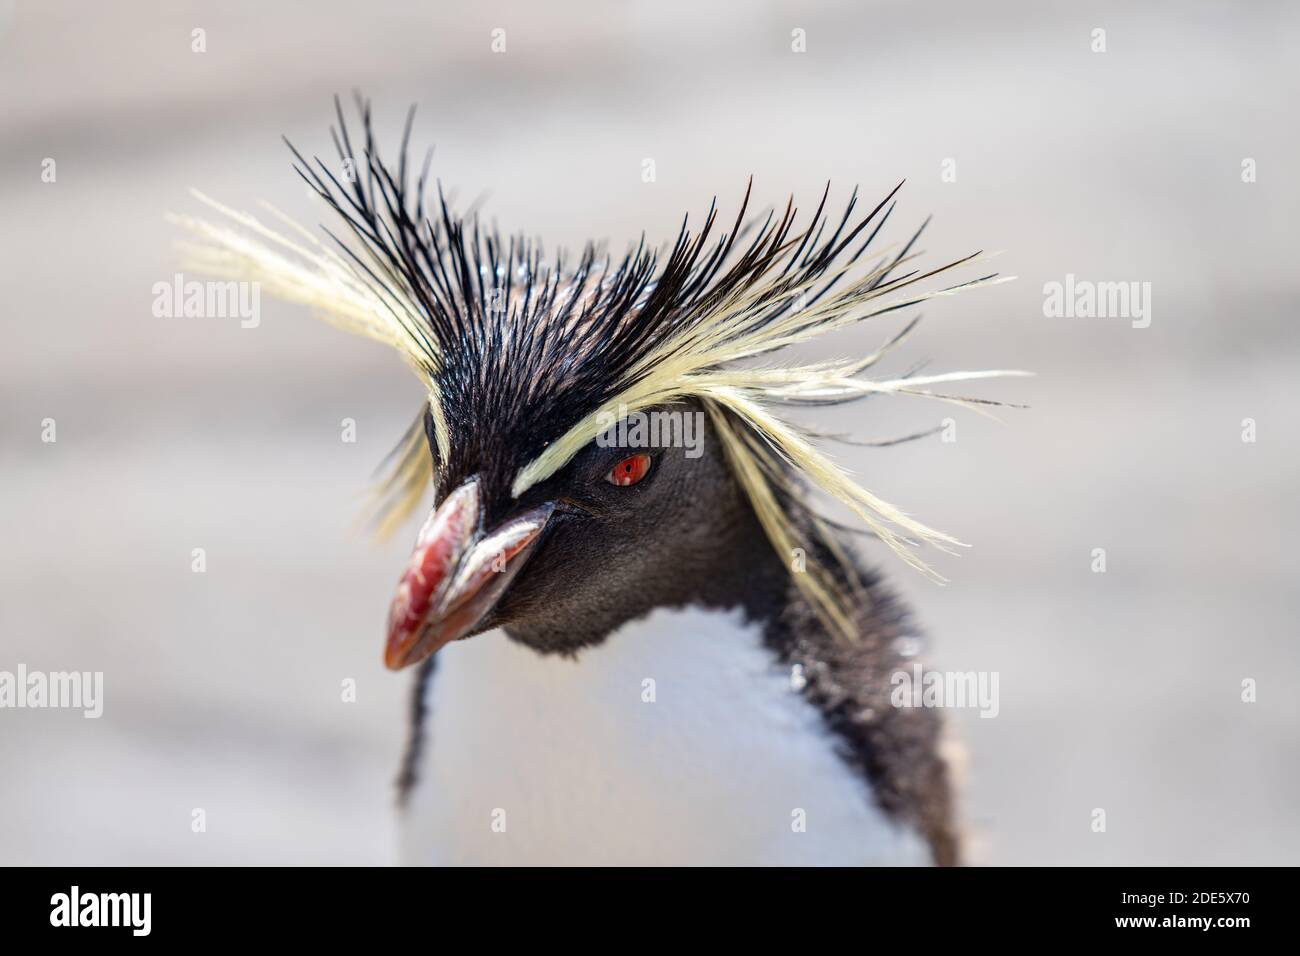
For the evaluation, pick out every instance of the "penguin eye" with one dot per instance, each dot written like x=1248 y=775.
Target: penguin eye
x=629 y=471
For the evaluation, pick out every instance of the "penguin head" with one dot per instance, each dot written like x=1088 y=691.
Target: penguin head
x=538 y=526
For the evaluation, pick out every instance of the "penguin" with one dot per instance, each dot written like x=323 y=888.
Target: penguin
x=636 y=638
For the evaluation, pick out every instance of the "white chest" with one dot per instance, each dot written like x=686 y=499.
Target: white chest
x=678 y=741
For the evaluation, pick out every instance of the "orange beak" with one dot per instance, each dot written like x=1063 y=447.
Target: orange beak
x=456 y=575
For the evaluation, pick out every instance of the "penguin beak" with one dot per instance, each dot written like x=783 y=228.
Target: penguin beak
x=456 y=575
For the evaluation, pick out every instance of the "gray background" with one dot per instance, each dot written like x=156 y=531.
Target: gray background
x=1118 y=690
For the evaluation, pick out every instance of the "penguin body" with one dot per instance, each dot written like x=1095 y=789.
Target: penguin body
x=680 y=740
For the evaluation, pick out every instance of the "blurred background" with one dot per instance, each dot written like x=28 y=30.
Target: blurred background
x=1119 y=691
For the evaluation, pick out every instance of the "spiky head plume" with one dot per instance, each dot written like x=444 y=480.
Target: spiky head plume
x=525 y=359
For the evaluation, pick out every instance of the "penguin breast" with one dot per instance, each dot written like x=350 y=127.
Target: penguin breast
x=679 y=740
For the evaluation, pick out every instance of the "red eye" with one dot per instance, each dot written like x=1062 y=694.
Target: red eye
x=629 y=471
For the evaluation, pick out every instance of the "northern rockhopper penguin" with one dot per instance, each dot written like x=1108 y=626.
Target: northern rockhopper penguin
x=632 y=651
